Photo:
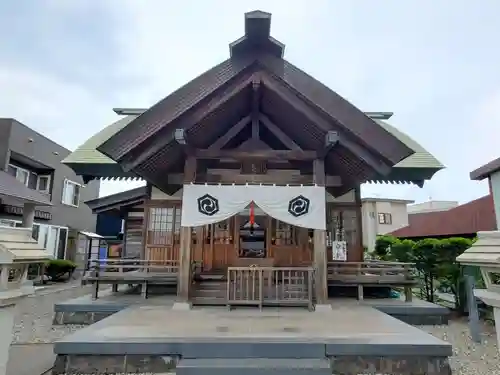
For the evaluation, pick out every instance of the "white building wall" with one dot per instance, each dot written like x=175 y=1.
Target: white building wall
x=372 y=227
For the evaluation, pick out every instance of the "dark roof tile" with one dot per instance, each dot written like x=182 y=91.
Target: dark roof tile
x=469 y=218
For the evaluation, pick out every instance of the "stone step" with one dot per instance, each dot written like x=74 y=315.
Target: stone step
x=252 y=366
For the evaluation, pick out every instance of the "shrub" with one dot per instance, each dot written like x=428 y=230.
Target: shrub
x=57 y=269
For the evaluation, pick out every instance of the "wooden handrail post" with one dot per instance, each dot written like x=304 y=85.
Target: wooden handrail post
x=261 y=286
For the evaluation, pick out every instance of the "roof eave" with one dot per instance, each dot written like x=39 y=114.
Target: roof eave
x=486 y=170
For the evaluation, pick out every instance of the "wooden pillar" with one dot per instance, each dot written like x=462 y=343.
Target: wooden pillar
x=319 y=238
x=184 y=276
x=357 y=251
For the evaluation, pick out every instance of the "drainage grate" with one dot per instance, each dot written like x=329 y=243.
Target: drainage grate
x=291 y=329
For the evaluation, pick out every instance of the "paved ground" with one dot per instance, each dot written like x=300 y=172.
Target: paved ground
x=34 y=328
x=33 y=334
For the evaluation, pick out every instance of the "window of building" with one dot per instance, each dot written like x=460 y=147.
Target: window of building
x=71 y=193
x=384 y=218
x=21 y=174
x=7 y=223
x=43 y=184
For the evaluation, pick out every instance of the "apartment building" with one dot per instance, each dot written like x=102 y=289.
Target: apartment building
x=35 y=161
x=382 y=216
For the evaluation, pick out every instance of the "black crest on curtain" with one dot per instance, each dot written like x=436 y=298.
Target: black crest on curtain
x=298 y=206
x=208 y=205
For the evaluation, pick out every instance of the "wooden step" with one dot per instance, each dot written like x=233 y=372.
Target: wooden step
x=214 y=293
x=208 y=301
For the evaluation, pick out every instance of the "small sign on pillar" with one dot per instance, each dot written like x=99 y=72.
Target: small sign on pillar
x=339 y=250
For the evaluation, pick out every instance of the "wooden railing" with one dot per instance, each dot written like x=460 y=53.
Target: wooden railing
x=276 y=286
x=131 y=272
x=372 y=273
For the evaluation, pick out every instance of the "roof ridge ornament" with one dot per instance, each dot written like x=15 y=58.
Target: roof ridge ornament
x=257 y=36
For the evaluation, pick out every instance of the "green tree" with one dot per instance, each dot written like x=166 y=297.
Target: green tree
x=383 y=245
x=402 y=251
x=426 y=257
x=450 y=272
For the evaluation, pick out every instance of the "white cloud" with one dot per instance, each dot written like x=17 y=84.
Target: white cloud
x=374 y=56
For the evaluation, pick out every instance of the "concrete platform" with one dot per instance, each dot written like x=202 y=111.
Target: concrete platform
x=356 y=339
x=83 y=310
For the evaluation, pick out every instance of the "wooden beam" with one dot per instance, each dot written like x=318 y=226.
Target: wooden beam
x=230 y=134
x=273 y=128
x=258 y=154
x=166 y=136
x=190 y=167
x=319 y=177
x=300 y=105
x=241 y=179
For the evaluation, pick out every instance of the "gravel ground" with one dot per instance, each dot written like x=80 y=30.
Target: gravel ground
x=469 y=358
x=34 y=325
x=34 y=316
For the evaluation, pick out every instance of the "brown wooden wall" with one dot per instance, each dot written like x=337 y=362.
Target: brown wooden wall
x=216 y=246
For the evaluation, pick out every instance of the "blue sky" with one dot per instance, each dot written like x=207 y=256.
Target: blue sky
x=435 y=64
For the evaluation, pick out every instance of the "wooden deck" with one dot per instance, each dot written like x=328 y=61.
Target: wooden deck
x=131 y=272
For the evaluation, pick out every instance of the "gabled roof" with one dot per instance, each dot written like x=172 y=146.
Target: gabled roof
x=208 y=105
x=466 y=219
x=420 y=166
x=87 y=153
x=486 y=170
x=213 y=102
x=12 y=188
x=115 y=201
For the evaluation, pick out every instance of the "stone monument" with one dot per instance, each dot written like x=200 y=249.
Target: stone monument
x=485 y=254
x=18 y=250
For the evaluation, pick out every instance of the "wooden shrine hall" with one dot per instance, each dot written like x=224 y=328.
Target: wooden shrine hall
x=253 y=173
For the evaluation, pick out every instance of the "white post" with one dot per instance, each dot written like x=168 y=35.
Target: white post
x=28 y=215
x=8 y=300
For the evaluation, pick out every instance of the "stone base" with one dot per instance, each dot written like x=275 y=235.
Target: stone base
x=355 y=365
x=323 y=308
x=347 y=365
x=113 y=364
x=79 y=317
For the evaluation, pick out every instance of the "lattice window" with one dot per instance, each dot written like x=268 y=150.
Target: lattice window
x=161 y=225
x=177 y=225
x=223 y=232
x=283 y=233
